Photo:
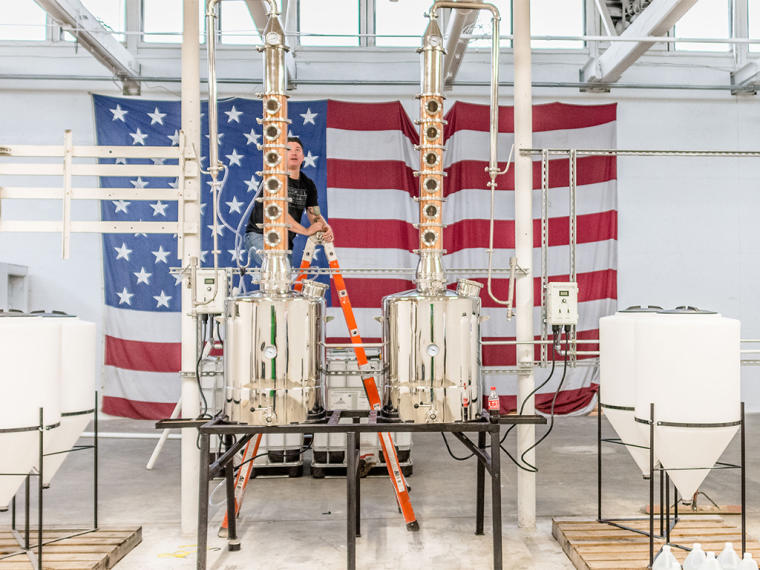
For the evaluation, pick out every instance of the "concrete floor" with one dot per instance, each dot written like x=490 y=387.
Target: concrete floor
x=290 y=523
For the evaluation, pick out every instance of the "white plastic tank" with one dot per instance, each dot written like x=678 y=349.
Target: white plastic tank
x=688 y=366
x=77 y=402
x=30 y=350
x=617 y=389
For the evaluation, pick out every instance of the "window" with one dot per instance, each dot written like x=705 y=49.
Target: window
x=237 y=26
x=557 y=18
x=110 y=13
x=340 y=19
x=706 y=19
x=483 y=25
x=27 y=21
x=162 y=21
x=401 y=18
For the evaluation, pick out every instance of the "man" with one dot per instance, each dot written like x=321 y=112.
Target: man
x=303 y=195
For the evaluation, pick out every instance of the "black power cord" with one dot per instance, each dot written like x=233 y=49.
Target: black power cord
x=556 y=337
x=531 y=467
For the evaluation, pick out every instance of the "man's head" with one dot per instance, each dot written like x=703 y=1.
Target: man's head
x=295 y=153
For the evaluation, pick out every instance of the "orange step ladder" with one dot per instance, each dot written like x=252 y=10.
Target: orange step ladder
x=368 y=379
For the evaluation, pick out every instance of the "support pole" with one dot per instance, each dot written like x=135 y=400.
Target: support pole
x=191 y=115
x=480 y=482
x=526 y=434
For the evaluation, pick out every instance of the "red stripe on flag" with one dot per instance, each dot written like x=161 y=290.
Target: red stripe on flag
x=368 y=293
x=567 y=401
x=370 y=175
x=146 y=356
x=547 y=117
x=464 y=234
x=388 y=116
x=362 y=233
x=137 y=410
x=589 y=170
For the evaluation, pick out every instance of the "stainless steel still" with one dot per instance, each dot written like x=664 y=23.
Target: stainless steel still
x=273 y=356
x=431 y=335
x=432 y=350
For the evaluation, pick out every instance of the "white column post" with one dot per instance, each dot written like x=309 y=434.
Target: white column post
x=526 y=434
x=191 y=125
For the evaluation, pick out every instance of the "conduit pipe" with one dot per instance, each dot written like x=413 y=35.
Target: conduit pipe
x=214 y=166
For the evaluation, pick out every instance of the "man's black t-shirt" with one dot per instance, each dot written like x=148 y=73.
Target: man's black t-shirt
x=302 y=193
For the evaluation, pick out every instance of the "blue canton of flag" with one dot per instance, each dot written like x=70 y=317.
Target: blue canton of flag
x=136 y=266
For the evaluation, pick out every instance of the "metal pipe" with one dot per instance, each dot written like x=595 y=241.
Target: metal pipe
x=398 y=83
x=213 y=127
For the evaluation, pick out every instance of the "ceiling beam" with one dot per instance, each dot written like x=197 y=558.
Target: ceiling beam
x=259 y=10
x=96 y=39
x=746 y=79
x=460 y=22
x=655 y=20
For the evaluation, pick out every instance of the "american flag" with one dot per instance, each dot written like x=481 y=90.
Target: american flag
x=361 y=157
x=142 y=297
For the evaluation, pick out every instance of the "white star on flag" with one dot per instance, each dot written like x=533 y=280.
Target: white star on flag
x=161 y=255
x=121 y=206
x=158 y=161
x=156 y=117
x=236 y=255
x=290 y=134
x=218 y=137
x=252 y=137
x=234 y=158
x=162 y=300
x=233 y=115
x=118 y=113
x=125 y=296
x=203 y=208
x=235 y=205
x=252 y=184
x=120 y=161
x=177 y=278
x=219 y=229
x=123 y=251
x=310 y=160
x=159 y=208
x=142 y=276
x=174 y=138
x=308 y=117
x=203 y=255
x=138 y=137
x=174 y=183
x=139 y=183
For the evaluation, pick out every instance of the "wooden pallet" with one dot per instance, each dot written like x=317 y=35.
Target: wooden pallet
x=597 y=546
x=96 y=550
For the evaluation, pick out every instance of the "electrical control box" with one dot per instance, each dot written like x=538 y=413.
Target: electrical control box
x=210 y=290
x=562 y=303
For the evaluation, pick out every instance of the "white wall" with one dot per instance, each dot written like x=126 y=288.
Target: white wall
x=687 y=231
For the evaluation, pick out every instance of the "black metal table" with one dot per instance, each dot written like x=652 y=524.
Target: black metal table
x=488 y=460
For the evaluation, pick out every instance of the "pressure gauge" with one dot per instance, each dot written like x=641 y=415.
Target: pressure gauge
x=270 y=351
x=273 y=38
x=432 y=349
